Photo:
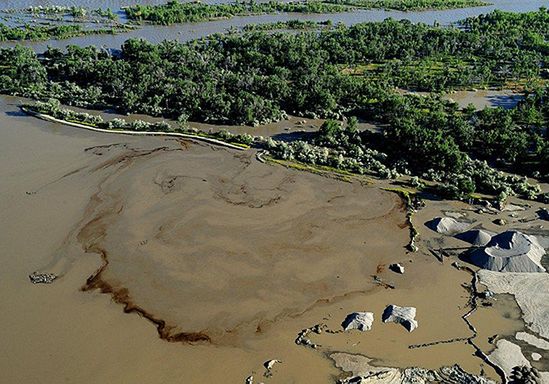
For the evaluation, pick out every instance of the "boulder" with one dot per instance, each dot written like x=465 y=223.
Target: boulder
x=536 y=356
x=500 y=222
x=397 y=268
x=446 y=225
x=269 y=364
x=402 y=315
x=358 y=320
x=42 y=278
x=543 y=214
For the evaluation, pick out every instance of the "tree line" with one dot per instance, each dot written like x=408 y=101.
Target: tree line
x=54 y=31
x=175 y=11
x=257 y=77
x=410 y=5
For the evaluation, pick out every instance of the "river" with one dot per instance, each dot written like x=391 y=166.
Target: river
x=190 y=31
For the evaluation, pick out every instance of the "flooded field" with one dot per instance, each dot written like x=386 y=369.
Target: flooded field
x=486 y=98
x=206 y=245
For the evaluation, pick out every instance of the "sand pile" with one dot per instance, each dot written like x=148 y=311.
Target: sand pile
x=510 y=251
x=446 y=225
x=477 y=237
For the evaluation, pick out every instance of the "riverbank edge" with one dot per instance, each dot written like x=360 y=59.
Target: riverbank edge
x=188 y=136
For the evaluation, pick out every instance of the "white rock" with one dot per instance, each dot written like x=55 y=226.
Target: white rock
x=397 y=268
x=536 y=356
x=402 y=315
x=269 y=364
x=358 y=320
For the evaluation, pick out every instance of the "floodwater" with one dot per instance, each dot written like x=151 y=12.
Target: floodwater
x=481 y=99
x=223 y=251
x=93 y=4
x=191 y=31
x=208 y=245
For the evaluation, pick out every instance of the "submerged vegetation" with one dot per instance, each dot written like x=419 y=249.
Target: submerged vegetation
x=58 y=22
x=175 y=11
x=343 y=148
x=426 y=136
x=336 y=73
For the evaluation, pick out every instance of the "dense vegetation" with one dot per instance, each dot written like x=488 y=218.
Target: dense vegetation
x=56 y=31
x=257 y=77
x=175 y=11
x=410 y=5
x=178 y=12
x=434 y=139
x=288 y=25
x=53 y=108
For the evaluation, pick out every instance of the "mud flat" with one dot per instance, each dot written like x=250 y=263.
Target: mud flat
x=221 y=246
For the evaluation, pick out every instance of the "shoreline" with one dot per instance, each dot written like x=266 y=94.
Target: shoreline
x=195 y=138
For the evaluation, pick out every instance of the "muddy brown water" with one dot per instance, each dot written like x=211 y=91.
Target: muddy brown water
x=206 y=242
